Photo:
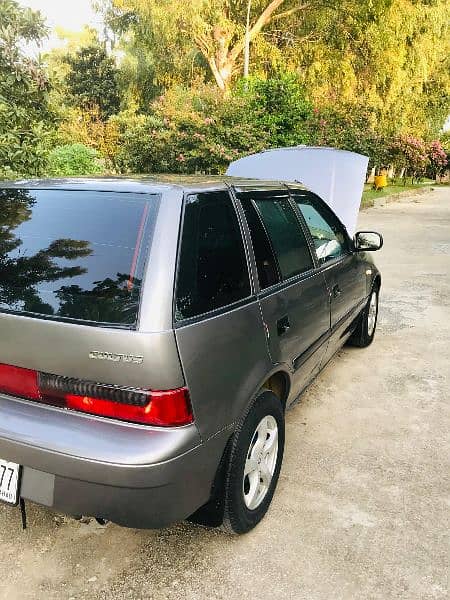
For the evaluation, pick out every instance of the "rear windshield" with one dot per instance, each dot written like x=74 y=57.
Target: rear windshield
x=74 y=255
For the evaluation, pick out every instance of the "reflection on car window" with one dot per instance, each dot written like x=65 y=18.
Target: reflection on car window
x=75 y=255
x=328 y=234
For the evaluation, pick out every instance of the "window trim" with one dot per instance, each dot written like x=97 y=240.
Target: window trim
x=177 y=323
x=282 y=285
x=274 y=255
x=272 y=249
x=84 y=322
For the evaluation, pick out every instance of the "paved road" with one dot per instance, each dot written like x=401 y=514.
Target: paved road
x=362 y=508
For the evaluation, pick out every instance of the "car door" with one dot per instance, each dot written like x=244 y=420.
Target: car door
x=341 y=267
x=218 y=324
x=293 y=295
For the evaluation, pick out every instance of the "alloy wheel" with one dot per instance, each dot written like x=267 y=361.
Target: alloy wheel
x=372 y=314
x=260 y=462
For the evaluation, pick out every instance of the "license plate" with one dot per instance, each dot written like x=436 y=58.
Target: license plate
x=9 y=482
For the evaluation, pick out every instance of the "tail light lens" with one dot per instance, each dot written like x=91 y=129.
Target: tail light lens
x=19 y=382
x=168 y=408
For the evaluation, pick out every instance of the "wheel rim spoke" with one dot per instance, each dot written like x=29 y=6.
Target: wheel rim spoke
x=250 y=466
x=271 y=442
x=262 y=430
x=253 y=493
x=265 y=476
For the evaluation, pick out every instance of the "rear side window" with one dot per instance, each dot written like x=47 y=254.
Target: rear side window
x=327 y=232
x=74 y=255
x=266 y=263
x=212 y=270
x=286 y=235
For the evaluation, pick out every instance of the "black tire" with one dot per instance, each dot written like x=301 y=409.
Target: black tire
x=238 y=518
x=361 y=337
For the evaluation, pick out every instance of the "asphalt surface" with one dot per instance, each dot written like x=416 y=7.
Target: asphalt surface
x=363 y=503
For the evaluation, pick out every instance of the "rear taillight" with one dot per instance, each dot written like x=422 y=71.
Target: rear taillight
x=167 y=408
x=19 y=382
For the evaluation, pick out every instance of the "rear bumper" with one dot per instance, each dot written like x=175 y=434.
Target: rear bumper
x=136 y=476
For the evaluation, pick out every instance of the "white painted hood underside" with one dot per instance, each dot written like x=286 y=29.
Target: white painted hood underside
x=337 y=176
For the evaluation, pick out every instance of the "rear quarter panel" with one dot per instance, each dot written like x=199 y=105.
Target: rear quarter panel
x=225 y=359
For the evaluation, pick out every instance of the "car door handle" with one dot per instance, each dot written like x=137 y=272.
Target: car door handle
x=336 y=291
x=283 y=325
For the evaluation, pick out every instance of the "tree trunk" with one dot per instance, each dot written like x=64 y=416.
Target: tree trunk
x=217 y=75
x=222 y=58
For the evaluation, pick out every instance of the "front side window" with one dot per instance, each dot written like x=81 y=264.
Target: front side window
x=74 y=255
x=288 y=241
x=212 y=270
x=326 y=230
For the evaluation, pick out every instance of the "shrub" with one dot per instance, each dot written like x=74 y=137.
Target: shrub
x=350 y=127
x=188 y=132
x=92 y=80
x=86 y=127
x=200 y=131
x=409 y=154
x=73 y=159
x=437 y=158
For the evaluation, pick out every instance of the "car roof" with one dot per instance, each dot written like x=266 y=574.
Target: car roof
x=139 y=183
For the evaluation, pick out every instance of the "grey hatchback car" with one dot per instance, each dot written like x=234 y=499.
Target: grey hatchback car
x=153 y=332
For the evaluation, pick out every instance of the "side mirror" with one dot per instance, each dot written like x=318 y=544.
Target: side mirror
x=367 y=241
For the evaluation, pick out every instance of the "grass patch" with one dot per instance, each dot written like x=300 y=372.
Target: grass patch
x=369 y=194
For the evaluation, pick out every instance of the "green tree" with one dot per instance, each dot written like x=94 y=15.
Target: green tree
x=187 y=38
x=80 y=118
x=92 y=80
x=24 y=109
x=390 y=56
x=279 y=107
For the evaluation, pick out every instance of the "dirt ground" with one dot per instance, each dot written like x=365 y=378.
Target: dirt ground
x=363 y=503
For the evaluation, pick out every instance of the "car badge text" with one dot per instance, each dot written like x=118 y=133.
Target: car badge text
x=116 y=357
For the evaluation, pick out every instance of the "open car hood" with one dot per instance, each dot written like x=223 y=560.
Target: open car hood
x=337 y=176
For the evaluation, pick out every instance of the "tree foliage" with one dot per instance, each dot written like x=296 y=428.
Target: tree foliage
x=278 y=106
x=393 y=56
x=161 y=88
x=192 y=131
x=92 y=80
x=24 y=111
x=197 y=35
